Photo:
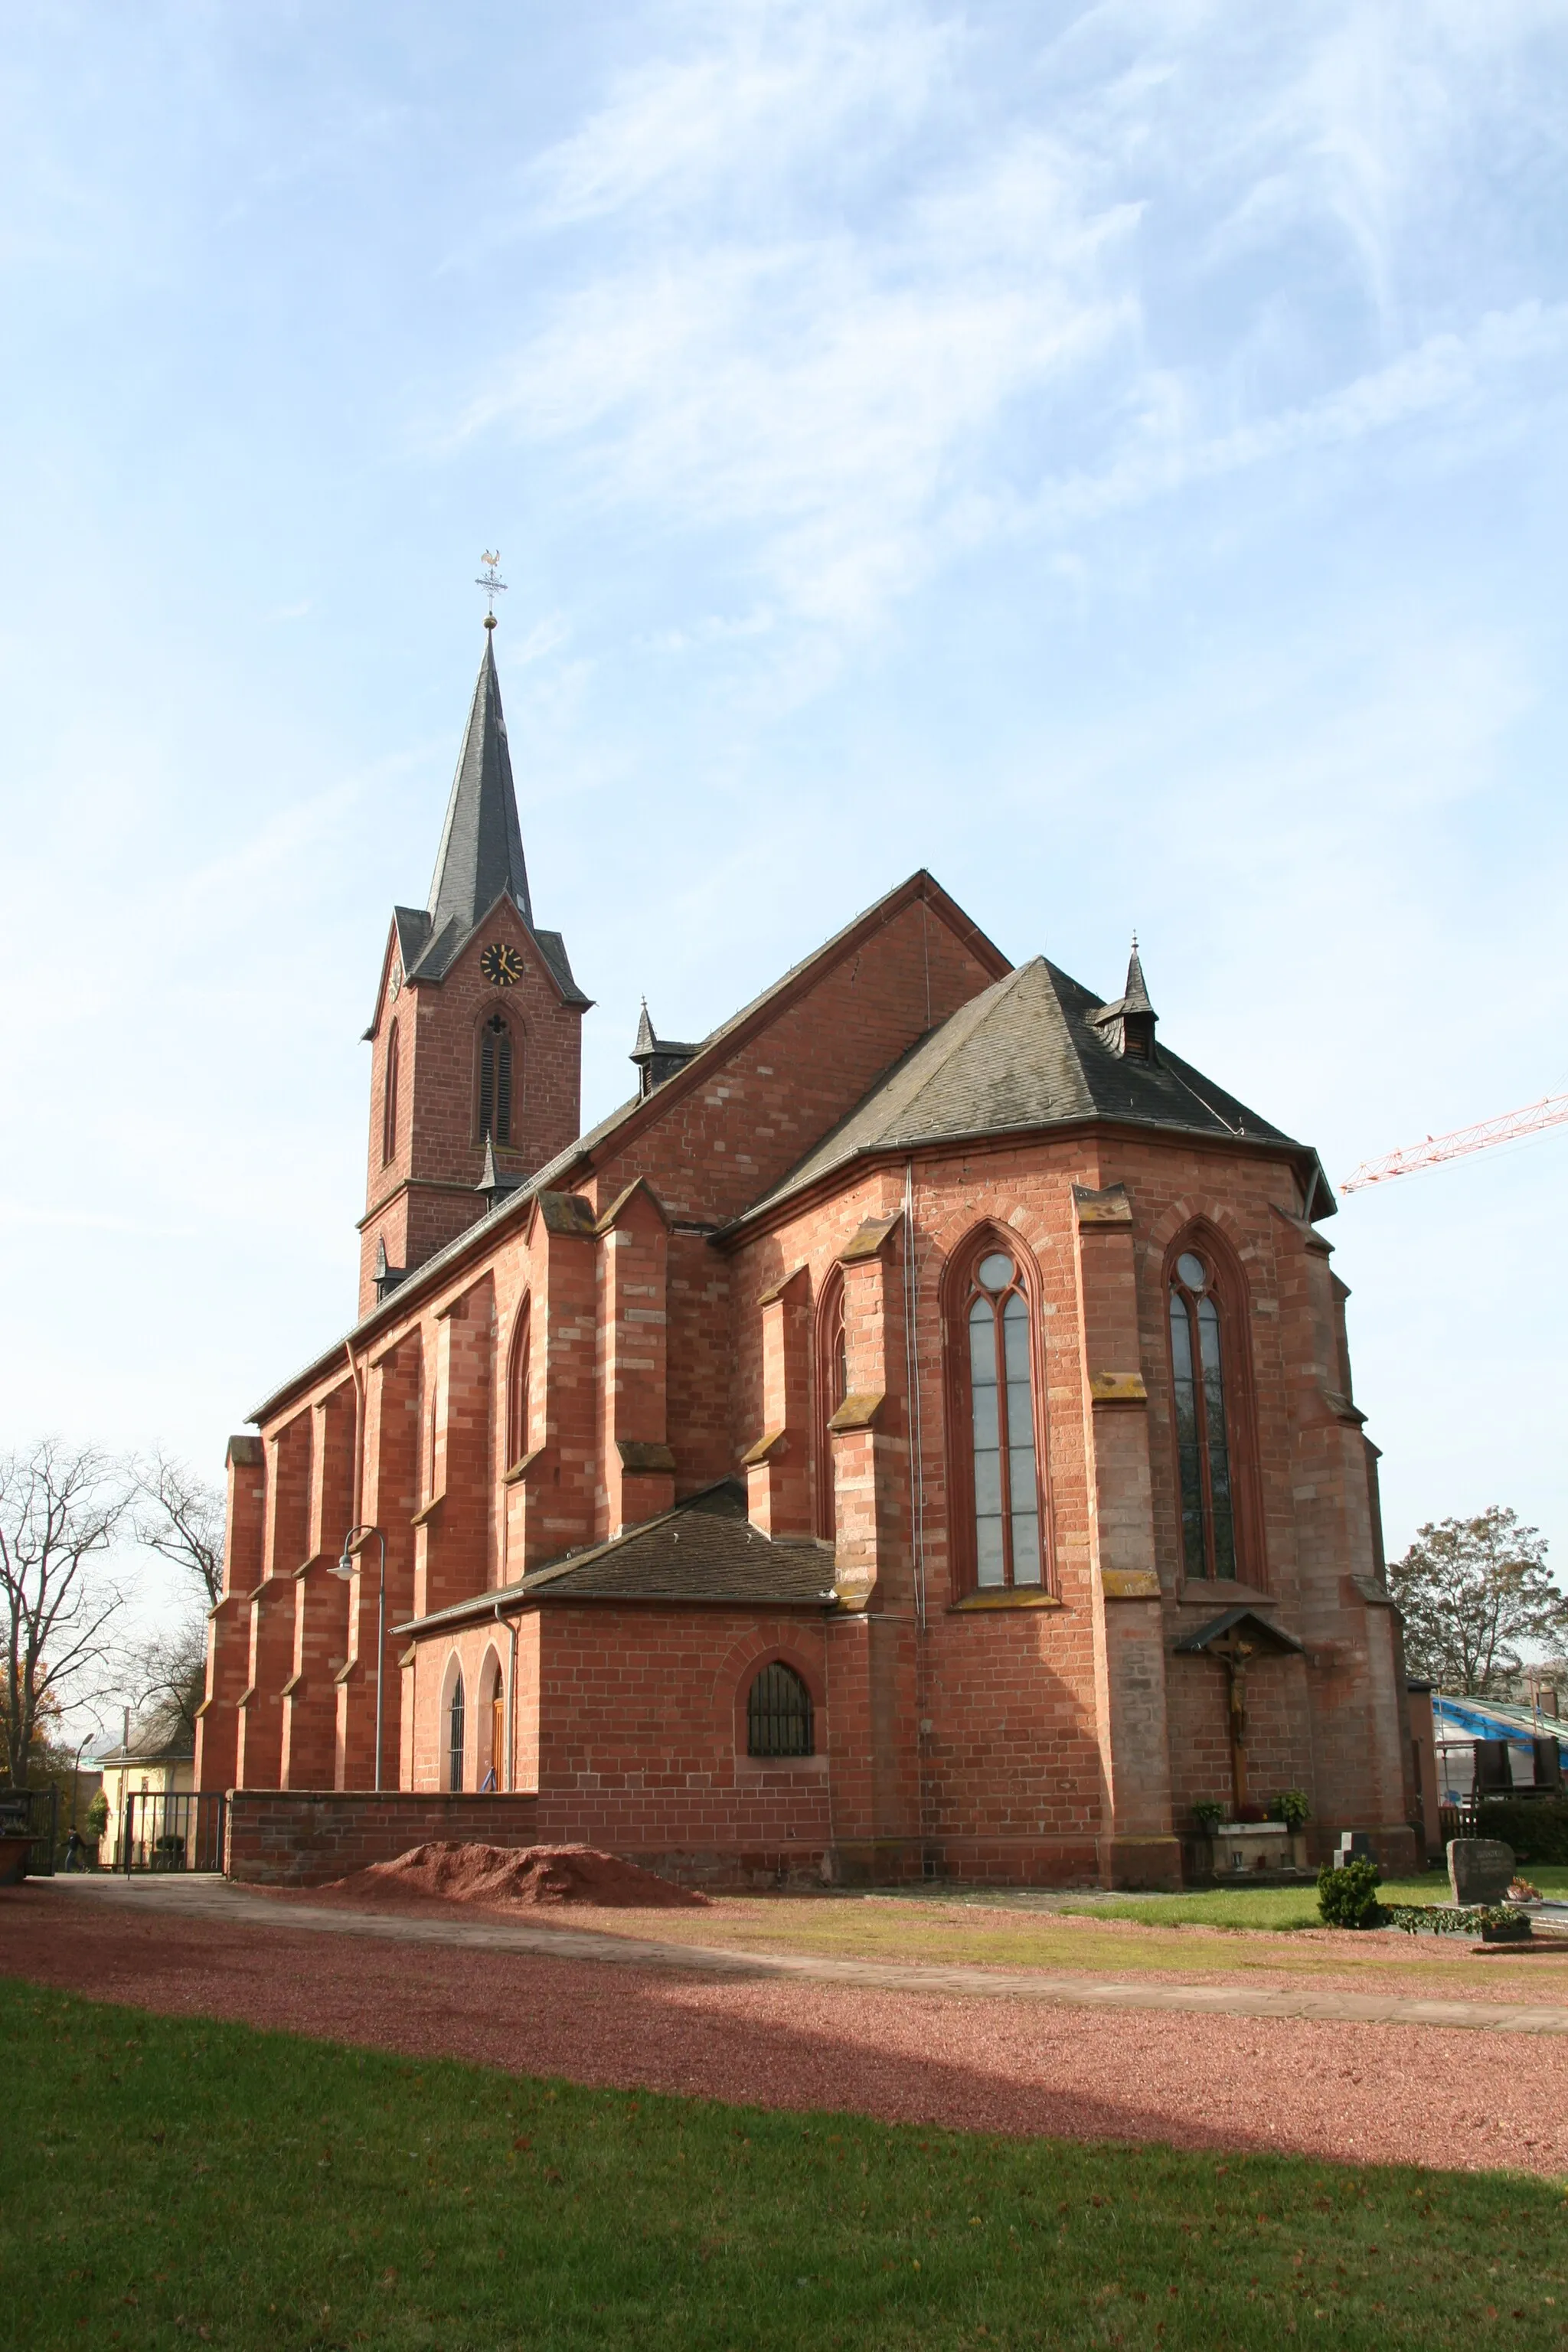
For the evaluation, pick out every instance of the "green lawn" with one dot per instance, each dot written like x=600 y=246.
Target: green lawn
x=174 y=2181
x=1281 y=1907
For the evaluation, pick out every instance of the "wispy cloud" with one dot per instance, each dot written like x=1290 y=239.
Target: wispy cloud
x=815 y=300
x=752 y=82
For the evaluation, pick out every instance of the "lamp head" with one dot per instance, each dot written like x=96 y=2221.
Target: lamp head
x=345 y=1567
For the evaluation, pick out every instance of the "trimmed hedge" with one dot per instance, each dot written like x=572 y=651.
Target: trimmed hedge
x=1536 y=1828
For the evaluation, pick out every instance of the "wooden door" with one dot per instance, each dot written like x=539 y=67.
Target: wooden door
x=498 y=1735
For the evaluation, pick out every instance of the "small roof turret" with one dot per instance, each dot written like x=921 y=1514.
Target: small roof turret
x=657 y=1058
x=493 y=1182
x=1128 y=1025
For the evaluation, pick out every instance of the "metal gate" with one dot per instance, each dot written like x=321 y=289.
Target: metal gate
x=180 y=1830
x=34 y=1813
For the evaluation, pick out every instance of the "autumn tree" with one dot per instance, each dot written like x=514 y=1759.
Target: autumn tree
x=60 y=1509
x=1469 y=1589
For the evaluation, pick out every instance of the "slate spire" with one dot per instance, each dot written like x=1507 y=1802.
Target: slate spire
x=1135 y=998
x=646 y=1046
x=657 y=1057
x=481 y=843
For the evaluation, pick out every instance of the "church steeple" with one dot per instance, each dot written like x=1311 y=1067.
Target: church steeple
x=481 y=842
x=475 y=1043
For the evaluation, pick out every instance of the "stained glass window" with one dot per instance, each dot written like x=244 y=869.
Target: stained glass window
x=1203 y=1444
x=1007 y=1545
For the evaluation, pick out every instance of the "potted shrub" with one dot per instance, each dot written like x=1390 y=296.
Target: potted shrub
x=1208 y=1817
x=1291 y=1806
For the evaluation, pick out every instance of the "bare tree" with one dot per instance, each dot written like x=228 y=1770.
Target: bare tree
x=180 y=1517
x=168 y=1672
x=60 y=1506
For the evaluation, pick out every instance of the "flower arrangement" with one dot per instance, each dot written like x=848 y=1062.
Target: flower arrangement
x=1291 y=1806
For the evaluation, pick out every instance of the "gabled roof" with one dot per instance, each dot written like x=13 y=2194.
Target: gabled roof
x=1024 y=1054
x=1242 y=1625
x=159 y=1736
x=704 y=1552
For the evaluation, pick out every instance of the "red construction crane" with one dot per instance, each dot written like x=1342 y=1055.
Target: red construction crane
x=1550 y=1111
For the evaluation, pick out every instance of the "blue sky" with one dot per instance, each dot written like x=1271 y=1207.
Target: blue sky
x=1113 y=455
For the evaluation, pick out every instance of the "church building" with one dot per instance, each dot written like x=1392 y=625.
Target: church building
x=913 y=1435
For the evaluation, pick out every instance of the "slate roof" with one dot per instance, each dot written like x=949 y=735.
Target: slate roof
x=705 y=1550
x=160 y=1736
x=1024 y=1054
x=481 y=859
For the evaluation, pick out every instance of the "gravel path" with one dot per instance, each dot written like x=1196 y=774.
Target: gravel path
x=802 y=2038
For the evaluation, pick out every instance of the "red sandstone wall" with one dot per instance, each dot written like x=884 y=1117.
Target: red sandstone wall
x=311 y=1837
x=422 y=1197
x=1010 y=1773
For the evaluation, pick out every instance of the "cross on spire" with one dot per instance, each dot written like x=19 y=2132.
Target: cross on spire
x=492 y=583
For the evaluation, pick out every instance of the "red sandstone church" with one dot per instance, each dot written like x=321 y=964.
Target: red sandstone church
x=913 y=1435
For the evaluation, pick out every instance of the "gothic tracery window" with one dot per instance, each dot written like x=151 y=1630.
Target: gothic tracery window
x=495 y=1080
x=1005 y=1485
x=1202 y=1434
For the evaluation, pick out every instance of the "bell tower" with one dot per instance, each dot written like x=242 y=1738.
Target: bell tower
x=476 y=1042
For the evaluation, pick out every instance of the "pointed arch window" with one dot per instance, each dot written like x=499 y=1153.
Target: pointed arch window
x=1000 y=1528
x=456 y=1716
x=1204 y=1448
x=389 y=1099
x=495 y=1080
x=518 y=1364
x=832 y=1387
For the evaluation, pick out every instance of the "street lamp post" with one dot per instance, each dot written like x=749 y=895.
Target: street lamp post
x=345 y=1568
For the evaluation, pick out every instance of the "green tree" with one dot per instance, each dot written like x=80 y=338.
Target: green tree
x=1471 y=1589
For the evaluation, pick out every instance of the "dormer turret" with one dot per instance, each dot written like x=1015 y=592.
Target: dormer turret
x=656 y=1058
x=1128 y=1025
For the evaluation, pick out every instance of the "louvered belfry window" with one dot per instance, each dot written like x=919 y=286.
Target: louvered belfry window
x=1202 y=1440
x=495 y=1080
x=778 y=1713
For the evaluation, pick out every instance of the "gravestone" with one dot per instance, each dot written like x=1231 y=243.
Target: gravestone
x=1479 y=1869
x=1354 y=1845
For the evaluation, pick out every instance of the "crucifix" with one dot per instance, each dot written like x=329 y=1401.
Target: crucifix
x=1234 y=1652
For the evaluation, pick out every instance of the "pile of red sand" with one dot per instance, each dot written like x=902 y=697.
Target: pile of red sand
x=530 y=1873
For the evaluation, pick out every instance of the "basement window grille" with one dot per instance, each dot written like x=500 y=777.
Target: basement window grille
x=778 y=1713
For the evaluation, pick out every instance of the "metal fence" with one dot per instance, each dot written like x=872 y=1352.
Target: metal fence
x=178 y=1830
x=34 y=1813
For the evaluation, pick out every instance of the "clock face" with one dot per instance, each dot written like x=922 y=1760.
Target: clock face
x=501 y=965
